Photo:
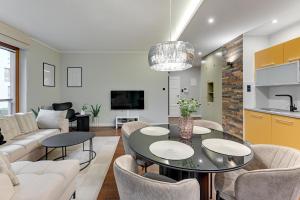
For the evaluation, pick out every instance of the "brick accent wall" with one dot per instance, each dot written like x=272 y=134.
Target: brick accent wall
x=232 y=87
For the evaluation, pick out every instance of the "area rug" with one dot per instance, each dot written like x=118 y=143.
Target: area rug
x=90 y=180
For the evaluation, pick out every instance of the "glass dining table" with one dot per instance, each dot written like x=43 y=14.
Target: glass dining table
x=199 y=166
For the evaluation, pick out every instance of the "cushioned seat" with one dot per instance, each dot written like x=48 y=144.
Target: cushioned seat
x=67 y=169
x=39 y=135
x=13 y=152
x=28 y=144
x=274 y=173
x=33 y=187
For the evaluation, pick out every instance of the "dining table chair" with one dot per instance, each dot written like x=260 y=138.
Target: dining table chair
x=274 y=173
x=132 y=186
x=126 y=130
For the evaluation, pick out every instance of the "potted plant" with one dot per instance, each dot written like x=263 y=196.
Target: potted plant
x=83 y=109
x=95 y=111
x=187 y=107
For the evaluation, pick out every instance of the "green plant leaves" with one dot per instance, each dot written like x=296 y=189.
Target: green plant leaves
x=188 y=106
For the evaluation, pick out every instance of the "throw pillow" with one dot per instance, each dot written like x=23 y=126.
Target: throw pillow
x=5 y=168
x=50 y=119
x=27 y=122
x=9 y=127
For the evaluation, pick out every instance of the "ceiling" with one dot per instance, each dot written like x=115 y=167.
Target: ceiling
x=234 y=18
x=135 y=25
x=94 y=25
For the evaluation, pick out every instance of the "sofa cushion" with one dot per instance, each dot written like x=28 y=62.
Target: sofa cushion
x=38 y=135
x=37 y=187
x=50 y=119
x=13 y=151
x=68 y=169
x=6 y=169
x=9 y=127
x=28 y=144
x=26 y=122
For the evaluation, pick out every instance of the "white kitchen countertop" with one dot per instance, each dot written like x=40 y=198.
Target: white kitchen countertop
x=286 y=113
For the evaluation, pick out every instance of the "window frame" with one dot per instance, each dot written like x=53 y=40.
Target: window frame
x=17 y=69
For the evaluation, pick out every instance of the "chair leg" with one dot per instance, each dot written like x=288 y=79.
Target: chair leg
x=74 y=195
x=218 y=196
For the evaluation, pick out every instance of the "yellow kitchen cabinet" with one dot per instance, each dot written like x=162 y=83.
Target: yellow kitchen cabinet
x=257 y=127
x=286 y=131
x=270 y=56
x=292 y=50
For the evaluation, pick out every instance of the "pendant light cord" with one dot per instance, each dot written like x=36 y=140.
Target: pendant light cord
x=170 y=20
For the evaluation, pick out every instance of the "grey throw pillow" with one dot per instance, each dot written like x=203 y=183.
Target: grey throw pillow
x=50 y=119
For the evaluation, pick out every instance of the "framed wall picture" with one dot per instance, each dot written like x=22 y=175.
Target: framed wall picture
x=74 y=77
x=48 y=75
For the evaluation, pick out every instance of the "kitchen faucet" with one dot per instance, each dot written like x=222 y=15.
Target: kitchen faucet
x=292 y=105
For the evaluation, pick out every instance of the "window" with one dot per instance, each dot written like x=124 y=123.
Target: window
x=9 y=83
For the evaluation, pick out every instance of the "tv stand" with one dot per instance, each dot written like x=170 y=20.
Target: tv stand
x=120 y=120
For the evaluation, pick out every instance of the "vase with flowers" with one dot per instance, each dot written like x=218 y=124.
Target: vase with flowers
x=187 y=107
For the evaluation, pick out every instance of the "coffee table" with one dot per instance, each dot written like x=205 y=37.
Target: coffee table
x=65 y=140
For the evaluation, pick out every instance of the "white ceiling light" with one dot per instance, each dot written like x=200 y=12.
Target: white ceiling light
x=171 y=55
x=200 y=53
x=219 y=53
x=274 y=21
x=211 y=20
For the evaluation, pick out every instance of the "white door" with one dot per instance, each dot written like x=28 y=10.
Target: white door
x=174 y=96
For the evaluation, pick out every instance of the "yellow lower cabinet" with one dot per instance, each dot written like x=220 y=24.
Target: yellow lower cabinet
x=286 y=131
x=257 y=127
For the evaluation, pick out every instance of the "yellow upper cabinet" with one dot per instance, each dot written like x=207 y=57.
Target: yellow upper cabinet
x=257 y=127
x=292 y=50
x=286 y=131
x=269 y=56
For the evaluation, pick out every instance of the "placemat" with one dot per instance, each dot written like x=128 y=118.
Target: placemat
x=154 y=131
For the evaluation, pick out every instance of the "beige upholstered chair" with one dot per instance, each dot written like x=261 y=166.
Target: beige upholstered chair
x=274 y=173
x=132 y=186
x=208 y=124
x=126 y=130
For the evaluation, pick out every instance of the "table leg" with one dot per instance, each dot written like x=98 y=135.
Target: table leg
x=63 y=153
x=203 y=181
x=91 y=148
x=46 y=153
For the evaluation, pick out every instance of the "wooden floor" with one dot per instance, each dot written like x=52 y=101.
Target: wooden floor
x=109 y=189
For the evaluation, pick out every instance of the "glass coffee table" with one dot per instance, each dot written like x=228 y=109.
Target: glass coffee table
x=65 y=140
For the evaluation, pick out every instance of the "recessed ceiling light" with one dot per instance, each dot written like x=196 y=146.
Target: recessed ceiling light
x=211 y=20
x=199 y=53
x=274 y=21
x=219 y=53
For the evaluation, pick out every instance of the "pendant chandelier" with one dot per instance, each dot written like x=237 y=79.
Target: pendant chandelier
x=171 y=55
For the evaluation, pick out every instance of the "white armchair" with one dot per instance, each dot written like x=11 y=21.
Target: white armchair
x=132 y=186
x=274 y=173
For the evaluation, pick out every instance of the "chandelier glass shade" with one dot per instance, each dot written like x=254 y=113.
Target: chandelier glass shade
x=171 y=56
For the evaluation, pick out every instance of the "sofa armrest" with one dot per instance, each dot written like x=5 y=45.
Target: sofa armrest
x=275 y=184
x=6 y=187
x=64 y=126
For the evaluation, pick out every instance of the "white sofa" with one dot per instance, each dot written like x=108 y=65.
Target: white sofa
x=42 y=180
x=24 y=137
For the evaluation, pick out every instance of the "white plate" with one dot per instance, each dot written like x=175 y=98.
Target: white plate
x=226 y=147
x=200 y=130
x=171 y=150
x=155 y=131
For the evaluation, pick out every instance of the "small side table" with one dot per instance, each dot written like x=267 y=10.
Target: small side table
x=83 y=122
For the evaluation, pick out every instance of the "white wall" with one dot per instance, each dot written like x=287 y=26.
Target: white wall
x=251 y=44
x=32 y=60
x=117 y=71
x=186 y=78
x=288 y=33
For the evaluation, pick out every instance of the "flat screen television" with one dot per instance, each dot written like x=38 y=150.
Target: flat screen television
x=127 y=100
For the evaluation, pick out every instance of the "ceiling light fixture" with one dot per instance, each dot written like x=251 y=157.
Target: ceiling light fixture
x=171 y=55
x=274 y=21
x=211 y=20
x=200 y=53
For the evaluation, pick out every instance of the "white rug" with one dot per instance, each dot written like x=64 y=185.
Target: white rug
x=90 y=180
